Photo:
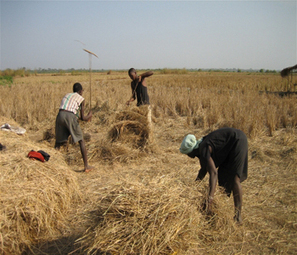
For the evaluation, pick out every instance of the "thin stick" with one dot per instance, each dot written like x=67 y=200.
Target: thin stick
x=90 y=66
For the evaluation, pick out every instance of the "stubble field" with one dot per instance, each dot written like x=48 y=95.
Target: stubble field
x=141 y=198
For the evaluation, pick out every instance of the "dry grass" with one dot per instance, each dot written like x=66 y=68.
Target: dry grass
x=159 y=217
x=141 y=198
x=36 y=197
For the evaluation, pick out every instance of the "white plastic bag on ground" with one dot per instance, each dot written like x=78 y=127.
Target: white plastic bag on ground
x=18 y=130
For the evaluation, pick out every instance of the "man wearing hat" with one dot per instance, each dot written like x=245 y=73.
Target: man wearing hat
x=222 y=153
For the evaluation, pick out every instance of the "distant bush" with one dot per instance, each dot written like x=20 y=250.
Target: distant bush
x=76 y=73
x=6 y=80
x=19 y=72
x=270 y=71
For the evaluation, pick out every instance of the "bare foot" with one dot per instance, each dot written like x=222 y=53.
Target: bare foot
x=88 y=169
x=238 y=219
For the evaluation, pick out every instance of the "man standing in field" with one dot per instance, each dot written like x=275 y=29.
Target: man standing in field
x=227 y=150
x=139 y=91
x=67 y=121
x=139 y=87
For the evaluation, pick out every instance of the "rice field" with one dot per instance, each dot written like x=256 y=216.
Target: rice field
x=142 y=197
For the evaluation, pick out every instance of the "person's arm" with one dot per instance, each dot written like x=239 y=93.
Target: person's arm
x=213 y=177
x=132 y=97
x=143 y=76
x=130 y=100
x=146 y=74
x=208 y=165
x=82 y=113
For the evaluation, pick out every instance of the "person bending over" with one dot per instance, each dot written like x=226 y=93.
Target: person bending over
x=223 y=154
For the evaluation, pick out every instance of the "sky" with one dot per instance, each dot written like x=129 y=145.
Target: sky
x=148 y=34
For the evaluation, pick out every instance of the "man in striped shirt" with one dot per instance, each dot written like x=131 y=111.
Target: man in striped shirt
x=67 y=121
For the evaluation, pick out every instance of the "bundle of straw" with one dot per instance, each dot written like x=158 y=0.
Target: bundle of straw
x=143 y=220
x=131 y=132
x=104 y=150
x=163 y=218
x=131 y=126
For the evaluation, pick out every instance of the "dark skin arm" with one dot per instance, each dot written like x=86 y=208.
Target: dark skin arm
x=213 y=177
x=237 y=196
x=144 y=75
x=82 y=113
x=132 y=97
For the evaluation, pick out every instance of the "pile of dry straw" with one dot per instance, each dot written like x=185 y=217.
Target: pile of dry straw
x=163 y=217
x=36 y=197
x=128 y=138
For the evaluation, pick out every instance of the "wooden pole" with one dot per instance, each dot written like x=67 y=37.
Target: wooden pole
x=90 y=67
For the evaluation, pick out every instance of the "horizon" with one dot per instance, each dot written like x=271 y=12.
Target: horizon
x=143 y=69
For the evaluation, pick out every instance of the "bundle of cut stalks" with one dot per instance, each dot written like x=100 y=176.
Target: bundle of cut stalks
x=134 y=218
x=35 y=196
x=138 y=220
x=131 y=126
x=135 y=113
x=133 y=132
x=104 y=150
x=127 y=139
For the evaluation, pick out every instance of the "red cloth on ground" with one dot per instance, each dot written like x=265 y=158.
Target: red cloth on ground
x=36 y=155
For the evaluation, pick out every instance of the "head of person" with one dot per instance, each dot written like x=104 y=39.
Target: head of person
x=190 y=145
x=77 y=87
x=132 y=74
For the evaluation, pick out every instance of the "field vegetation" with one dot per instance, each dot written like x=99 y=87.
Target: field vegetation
x=142 y=198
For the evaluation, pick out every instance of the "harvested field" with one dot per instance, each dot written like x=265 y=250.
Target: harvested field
x=141 y=198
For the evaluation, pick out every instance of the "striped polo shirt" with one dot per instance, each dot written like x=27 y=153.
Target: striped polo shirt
x=71 y=102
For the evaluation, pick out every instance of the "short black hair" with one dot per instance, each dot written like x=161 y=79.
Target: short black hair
x=77 y=87
x=131 y=70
